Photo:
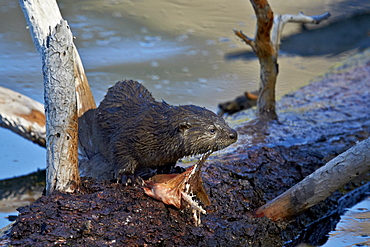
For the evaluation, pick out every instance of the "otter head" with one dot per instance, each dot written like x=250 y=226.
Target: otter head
x=204 y=131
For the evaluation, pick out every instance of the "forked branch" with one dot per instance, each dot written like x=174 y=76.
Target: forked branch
x=266 y=46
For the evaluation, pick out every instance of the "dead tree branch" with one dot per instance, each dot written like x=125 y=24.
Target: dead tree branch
x=266 y=47
x=61 y=112
x=281 y=20
x=246 y=39
x=64 y=83
x=320 y=184
x=262 y=46
x=41 y=16
x=22 y=115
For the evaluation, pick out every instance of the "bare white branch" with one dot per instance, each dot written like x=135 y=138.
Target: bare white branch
x=61 y=111
x=281 y=20
x=301 y=18
x=41 y=17
x=22 y=115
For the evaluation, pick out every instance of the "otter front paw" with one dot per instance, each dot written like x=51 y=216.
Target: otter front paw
x=131 y=179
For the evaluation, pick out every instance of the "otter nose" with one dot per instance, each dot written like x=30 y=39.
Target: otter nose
x=233 y=135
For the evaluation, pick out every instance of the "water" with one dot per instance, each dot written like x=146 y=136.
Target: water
x=183 y=52
x=353 y=228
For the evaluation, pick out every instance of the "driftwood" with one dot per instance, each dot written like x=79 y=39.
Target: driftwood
x=22 y=115
x=63 y=76
x=266 y=47
x=61 y=112
x=320 y=184
x=41 y=17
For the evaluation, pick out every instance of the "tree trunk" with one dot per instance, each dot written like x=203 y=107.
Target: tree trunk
x=61 y=112
x=267 y=59
x=266 y=47
x=40 y=16
x=63 y=76
x=320 y=184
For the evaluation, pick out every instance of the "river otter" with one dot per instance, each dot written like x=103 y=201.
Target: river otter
x=130 y=130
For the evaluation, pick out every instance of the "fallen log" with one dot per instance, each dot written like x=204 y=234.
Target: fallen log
x=320 y=184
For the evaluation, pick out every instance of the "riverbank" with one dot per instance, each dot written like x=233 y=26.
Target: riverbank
x=316 y=123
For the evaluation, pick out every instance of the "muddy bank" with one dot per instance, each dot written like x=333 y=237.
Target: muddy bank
x=108 y=213
x=316 y=123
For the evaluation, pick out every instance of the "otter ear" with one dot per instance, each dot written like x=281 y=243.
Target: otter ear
x=184 y=126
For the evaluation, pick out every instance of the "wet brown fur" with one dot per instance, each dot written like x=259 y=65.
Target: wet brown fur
x=131 y=130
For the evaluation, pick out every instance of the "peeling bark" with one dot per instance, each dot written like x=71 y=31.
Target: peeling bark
x=61 y=112
x=41 y=17
x=58 y=55
x=67 y=93
x=267 y=56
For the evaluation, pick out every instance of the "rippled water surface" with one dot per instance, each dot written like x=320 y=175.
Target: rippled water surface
x=183 y=52
x=353 y=228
